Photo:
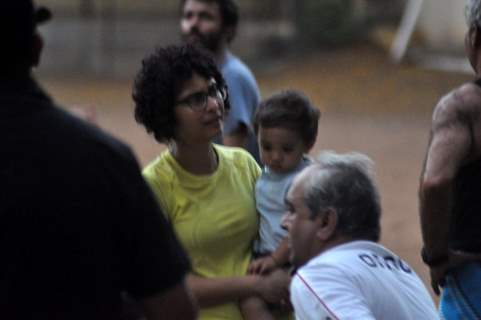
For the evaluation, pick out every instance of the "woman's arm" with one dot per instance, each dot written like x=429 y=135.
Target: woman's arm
x=176 y=303
x=215 y=291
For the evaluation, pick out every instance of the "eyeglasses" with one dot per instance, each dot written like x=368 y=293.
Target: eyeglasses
x=198 y=100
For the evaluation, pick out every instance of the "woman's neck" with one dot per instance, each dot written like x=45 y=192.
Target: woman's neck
x=195 y=158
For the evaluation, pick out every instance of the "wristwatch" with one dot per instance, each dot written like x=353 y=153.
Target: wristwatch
x=433 y=261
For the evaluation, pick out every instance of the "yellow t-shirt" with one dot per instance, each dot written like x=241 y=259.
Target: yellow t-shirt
x=214 y=216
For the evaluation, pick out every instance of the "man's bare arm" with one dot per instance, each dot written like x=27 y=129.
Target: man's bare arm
x=281 y=254
x=448 y=149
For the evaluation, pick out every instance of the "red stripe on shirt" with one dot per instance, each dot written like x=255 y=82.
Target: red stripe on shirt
x=318 y=298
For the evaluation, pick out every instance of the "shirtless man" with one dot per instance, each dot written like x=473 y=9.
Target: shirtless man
x=450 y=193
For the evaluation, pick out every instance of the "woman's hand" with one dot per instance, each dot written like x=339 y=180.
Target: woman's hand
x=274 y=287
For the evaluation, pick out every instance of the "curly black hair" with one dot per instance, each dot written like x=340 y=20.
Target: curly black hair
x=229 y=12
x=291 y=110
x=160 y=81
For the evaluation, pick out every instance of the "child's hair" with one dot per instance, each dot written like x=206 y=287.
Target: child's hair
x=291 y=110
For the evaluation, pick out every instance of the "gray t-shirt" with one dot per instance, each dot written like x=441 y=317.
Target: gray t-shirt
x=271 y=189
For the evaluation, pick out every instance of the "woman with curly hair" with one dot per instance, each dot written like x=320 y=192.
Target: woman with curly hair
x=205 y=189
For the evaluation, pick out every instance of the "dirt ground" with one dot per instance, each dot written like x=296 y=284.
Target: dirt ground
x=368 y=104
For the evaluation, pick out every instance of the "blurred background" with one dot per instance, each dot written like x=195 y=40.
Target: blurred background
x=375 y=68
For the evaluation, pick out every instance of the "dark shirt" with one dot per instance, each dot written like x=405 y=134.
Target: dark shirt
x=78 y=224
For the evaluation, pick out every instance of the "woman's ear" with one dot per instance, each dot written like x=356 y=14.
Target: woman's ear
x=327 y=224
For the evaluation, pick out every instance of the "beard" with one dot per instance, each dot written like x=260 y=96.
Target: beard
x=210 y=41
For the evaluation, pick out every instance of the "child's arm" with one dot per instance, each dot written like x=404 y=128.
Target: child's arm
x=276 y=259
x=254 y=308
x=281 y=254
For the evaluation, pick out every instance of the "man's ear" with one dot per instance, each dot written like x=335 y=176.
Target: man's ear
x=37 y=48
x=472 y=45
x=309 y=146
x=327 y=224
x=229 y=34
x=474 y=37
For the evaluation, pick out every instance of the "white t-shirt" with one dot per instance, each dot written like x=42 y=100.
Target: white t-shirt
x=359 y=280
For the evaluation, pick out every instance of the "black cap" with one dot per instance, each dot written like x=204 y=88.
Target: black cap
x=18 y=23
x=19 y=16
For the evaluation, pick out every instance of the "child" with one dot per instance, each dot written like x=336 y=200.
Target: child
x=286 y=127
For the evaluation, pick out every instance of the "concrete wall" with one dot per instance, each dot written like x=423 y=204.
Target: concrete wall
x=76 y=46
x=442 y=24
x=97 y=47
x=110 y=37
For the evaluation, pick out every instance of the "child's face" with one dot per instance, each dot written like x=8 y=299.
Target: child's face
x=281 y=149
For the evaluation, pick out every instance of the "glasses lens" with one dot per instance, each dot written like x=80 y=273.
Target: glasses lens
x=212 y=91
x=215 y=92
x=198 y=101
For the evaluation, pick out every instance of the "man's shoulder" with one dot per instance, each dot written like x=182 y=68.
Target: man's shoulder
x=91 y=137
x=332 y=268
x=80 y=139
x=465 y=99
x=236 y=68
x=346 y=255
x=233 y=62
x=37 y=112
